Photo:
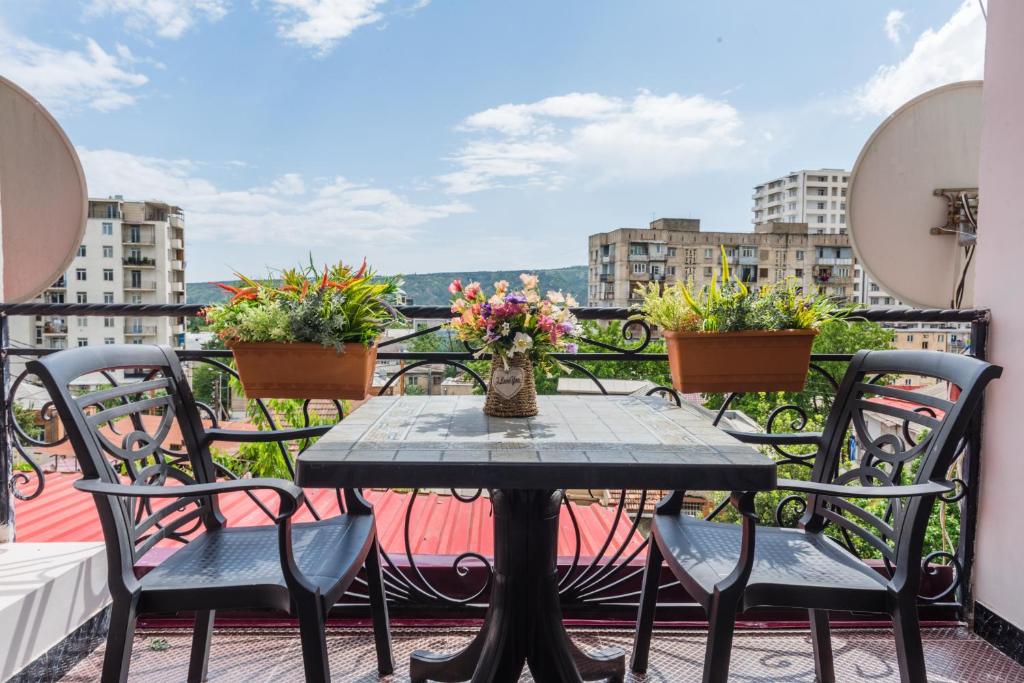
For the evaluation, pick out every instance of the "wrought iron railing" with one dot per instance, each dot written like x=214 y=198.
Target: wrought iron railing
x=608 y=579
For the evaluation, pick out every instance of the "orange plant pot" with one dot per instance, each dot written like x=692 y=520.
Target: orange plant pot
x=304 y=370
x=753 y=360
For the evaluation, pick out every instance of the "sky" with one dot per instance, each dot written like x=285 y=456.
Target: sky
x=446 y=135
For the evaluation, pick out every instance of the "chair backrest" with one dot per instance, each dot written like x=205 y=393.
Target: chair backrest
x=148 y=430
x=902 y=437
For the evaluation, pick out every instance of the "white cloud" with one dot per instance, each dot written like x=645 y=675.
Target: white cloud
x=594 y=137
x=168 y=18
x=65 y=80
x=290 y=211
x=954 y=52
x=895 y=25
x=321 y=24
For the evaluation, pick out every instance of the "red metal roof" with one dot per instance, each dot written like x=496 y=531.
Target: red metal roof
x=440 y=524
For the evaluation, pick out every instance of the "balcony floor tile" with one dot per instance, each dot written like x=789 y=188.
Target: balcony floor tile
x=272 y=654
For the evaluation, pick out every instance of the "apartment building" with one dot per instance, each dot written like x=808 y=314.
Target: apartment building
x=672 y=249
x=817 y=197
x=132 y=252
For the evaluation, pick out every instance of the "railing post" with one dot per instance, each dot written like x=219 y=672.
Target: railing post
x=6 y=453
x=971 y=473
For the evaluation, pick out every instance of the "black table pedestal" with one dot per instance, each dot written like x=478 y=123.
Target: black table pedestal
x=524 y=620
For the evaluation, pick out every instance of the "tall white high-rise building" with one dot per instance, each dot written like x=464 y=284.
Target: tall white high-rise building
x=133 y=252
x=817 y=197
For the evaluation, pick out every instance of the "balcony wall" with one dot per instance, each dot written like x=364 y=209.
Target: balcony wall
x=1000 y=553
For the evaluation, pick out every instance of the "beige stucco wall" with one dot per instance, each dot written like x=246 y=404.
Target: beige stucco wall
x=1000 y=546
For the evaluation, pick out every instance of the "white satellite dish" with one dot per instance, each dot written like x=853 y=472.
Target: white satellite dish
x=913 y=197
x=43 y=200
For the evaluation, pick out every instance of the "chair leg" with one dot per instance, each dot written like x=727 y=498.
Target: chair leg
x=721 y=624
x=314 y=639
x=200 y=656
x=120 y=635
x=909 y=651
x=379 y=611
x=821 y=639
x=648 y=603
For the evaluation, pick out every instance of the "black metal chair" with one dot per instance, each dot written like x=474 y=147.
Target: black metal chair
x=726 y=571
x=301 y=568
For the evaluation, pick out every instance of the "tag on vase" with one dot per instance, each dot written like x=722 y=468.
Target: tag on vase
x=507 y=383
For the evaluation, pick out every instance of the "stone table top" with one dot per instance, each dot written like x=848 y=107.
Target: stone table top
x=574 y=442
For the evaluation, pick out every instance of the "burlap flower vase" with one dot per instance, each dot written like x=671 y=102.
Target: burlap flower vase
x=511 y=391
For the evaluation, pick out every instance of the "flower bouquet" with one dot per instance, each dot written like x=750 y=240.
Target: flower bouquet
x=519 y=329
x=310 y=334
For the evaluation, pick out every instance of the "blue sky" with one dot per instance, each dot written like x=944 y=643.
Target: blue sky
x=445 y=135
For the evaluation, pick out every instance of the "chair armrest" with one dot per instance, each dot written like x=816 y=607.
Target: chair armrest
x=763 y=439
x=930 y=488
x=242 y=436
x=289 y=494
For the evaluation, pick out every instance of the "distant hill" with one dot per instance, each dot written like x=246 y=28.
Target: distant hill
x=431 y=289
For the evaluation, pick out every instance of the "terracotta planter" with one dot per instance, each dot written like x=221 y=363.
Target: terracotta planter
x=724 y=362
x=302 y=370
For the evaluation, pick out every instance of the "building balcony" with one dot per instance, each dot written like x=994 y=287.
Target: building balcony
x=139 y=285
x=55 y=328
x=639 y=257
x=606 y=277
x=177 y=244
x=613 y=520
x=145 y=240
x=177 y=286
x=139 y=261
x=835 y=261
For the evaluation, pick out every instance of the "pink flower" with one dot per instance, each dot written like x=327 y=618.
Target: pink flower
x=529 y=281
x=500 y=287
x=455 y=287
x=459 y=305
x=472 y=290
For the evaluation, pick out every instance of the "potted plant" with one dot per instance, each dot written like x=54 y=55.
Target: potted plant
x=727 y=338
x=312 y=334
x=519 y=329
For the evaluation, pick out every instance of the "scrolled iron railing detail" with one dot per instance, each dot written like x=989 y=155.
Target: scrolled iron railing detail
x=607 y=577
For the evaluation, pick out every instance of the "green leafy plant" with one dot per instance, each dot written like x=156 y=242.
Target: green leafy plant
x=728 y=305
x=332 y=306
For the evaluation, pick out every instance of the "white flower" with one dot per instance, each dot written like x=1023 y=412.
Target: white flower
x=521 y=343
x=505 y=329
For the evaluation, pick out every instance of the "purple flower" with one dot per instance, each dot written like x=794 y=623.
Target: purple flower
x=485 y=310
x=571 y=347
x=565 y=328
x=515 y=298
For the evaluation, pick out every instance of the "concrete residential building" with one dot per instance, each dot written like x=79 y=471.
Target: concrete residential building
x=673 y=249
x=817 y=197
x=132 y=253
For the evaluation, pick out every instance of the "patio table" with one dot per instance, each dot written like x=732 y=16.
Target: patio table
x=574 y=442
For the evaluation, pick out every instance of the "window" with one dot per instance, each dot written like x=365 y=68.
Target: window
x=821 y=219
x=670 y=270
x=108 y=275
x=799 y=255
x=108 y=297
x=671 y=252
x=108 y=340
x=910 y=337
x=835 y=179
x=940 y=337
x=81 y=297
x=924 y=345
x=822 y=192
x=763 y=274
x=108 y=251
x=81 y=250
x=80 y=274
x=708 y=253
x=640 y=267
x=135 y=299
x=709 y=272
x=842 y=218
x=748 y=252
x=83 y=321
x=108 y=228
x=82 y=341
x=638 y=250
x=108 y=322
x=655 y=269
x=821 y=205
x=799 y=272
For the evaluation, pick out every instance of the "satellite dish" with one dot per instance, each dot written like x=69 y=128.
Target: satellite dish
x=43 y=200
x=913 y=197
